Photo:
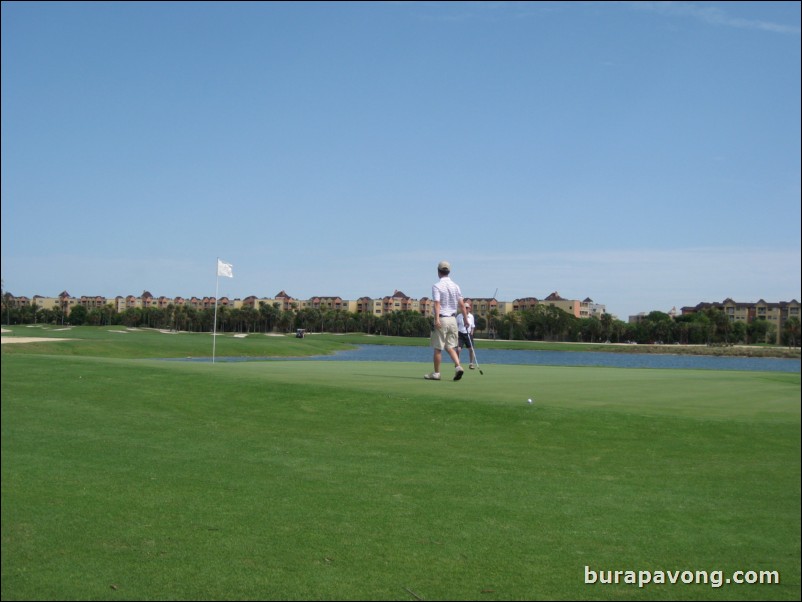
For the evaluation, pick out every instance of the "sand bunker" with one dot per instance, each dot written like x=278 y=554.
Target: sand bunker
x=5 y=340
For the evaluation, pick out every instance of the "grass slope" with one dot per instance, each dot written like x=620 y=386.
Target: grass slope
x=143 y=479
x=147 y=342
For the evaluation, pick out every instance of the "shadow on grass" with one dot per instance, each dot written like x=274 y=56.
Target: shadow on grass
x=393 y=376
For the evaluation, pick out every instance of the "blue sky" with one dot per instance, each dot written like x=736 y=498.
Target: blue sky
x=643 y=154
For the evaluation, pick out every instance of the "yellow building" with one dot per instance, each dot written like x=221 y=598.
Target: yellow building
x=774 y=313
x=482 y=306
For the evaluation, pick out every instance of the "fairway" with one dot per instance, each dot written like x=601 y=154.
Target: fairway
x=130 y=478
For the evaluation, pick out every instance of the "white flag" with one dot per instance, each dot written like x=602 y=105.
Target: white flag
x=224 y=269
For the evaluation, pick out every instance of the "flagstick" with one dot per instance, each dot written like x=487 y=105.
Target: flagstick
x=226 y=269
x=216 y=293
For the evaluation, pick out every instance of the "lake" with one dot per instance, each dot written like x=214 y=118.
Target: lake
x=391 y=353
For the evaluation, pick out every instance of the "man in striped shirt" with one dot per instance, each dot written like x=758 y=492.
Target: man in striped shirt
x=448 y=301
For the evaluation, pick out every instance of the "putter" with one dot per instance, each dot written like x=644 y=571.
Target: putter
x=473 y=348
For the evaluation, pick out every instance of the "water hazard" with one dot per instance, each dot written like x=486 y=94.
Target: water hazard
x=391 y=353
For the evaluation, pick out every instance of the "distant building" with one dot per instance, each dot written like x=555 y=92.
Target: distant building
x=774 y=313
x=589 y=309
x=483 y=306
x=643 y=315
x=398 y=301
x=579 y=309
x=324 y=303
x=524 y=304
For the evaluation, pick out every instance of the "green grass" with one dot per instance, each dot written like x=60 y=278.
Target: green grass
x=127 y=478
x=122 y=342
x=148 y=342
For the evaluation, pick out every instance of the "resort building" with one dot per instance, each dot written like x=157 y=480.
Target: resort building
x=774 y=313
x=483 y=307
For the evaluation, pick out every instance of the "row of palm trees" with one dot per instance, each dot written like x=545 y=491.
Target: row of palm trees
x=266 y=318
x=546 y=323
x=709 y=327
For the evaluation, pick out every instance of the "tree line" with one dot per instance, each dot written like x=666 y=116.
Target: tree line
x=541 y=323
x=708 y=327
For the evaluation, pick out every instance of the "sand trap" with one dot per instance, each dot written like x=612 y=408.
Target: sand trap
x=5 y=340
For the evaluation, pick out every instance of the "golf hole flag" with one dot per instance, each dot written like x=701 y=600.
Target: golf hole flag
x=224 y=269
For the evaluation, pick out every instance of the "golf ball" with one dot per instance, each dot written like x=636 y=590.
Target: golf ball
x=529 y=401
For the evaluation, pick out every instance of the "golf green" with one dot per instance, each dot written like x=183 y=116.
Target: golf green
x=144 y=479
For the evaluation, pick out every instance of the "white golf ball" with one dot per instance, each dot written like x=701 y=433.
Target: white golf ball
x=529 y=400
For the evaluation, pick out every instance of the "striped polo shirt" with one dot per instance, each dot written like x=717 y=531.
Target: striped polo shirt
x=447 y=292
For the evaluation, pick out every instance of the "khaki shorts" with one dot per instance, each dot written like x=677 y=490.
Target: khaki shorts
x=445 y=337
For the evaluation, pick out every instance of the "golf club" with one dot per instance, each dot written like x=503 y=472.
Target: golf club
x=473 y=350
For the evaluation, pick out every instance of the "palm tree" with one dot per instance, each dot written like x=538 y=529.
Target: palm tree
x=367 y=322
x=510 y=323
x=269 y=315
x=7 y=297
x=492 y=320
x=792 y=328
x=285 y=320
x=607 y=326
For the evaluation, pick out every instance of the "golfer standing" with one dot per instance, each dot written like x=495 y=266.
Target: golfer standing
x=448 y=301
x=465 y=329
